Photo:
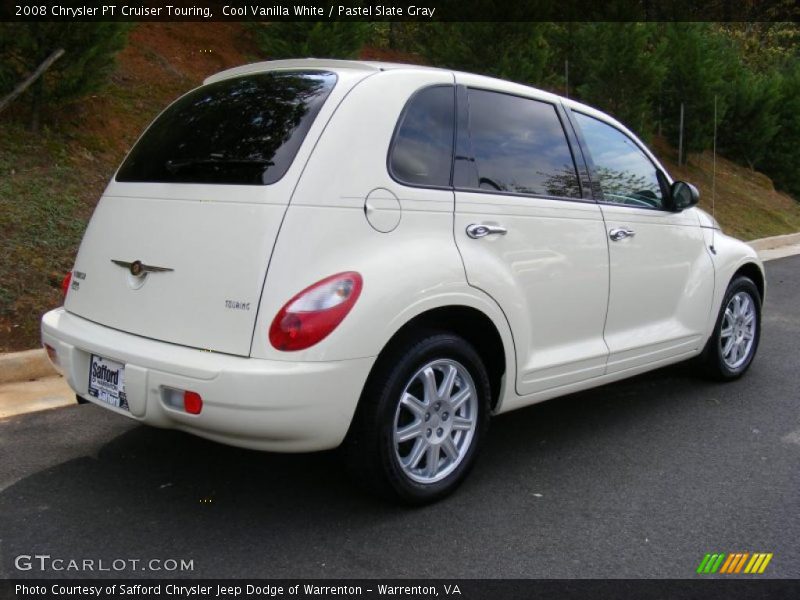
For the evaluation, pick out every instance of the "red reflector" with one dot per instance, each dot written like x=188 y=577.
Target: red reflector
x=65 y=284
x=192 y=403
x=51 y=352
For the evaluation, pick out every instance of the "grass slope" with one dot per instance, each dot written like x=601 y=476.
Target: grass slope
x=49 y=184
x=747 y=204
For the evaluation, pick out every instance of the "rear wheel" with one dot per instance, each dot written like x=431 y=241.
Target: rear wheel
x=733 y=344
x=421 y=420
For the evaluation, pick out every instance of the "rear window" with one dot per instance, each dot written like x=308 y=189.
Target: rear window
x=245 y=131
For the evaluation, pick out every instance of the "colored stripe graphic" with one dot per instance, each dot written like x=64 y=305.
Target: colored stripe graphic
x=758 y=563
x=734 y=562
x=765 y=563
x=729 y=562
x=703 y=563
x=710 y=563
x=741 y=562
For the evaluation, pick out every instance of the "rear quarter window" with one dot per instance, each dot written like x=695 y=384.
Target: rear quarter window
x=245 y=130
x=422 y=150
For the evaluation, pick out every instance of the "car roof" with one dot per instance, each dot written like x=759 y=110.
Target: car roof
x=377 y=66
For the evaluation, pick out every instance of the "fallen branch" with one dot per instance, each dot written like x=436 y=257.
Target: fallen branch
x=48 y=62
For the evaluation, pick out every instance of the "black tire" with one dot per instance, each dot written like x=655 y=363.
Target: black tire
x=712 y=359
x=370 y=452
x=81 y=400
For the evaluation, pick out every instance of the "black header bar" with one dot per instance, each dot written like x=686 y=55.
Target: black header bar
x=391 y=10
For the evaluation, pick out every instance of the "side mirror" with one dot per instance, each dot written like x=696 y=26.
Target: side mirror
x=684 y=195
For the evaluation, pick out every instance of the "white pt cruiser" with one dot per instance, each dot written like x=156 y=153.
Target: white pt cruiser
x=304 y=254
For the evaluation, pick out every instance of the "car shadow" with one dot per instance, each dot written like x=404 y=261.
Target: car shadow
x=158 y=492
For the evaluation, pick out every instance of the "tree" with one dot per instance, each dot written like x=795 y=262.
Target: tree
x=515 y=51
x=782 y=159
x=336 y=39
x=619 y=68
x=89 y=50
x=700 y=64
x=751 y=118
x=763 y=45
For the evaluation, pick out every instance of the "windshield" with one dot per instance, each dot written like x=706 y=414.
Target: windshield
x=243 y=131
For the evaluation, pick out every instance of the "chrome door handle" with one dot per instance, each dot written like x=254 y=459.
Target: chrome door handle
x=476 y=231
x=620 y=233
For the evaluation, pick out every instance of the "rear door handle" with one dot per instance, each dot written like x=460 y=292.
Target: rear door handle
x=620 y=233
x=476 y=230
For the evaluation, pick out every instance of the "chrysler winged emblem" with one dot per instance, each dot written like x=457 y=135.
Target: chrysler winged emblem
x=138 y=268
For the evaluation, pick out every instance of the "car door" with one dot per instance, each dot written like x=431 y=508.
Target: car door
x=527 y=234
x=662 y=279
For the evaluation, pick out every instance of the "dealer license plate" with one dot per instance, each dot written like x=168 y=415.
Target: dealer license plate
x=107 y=382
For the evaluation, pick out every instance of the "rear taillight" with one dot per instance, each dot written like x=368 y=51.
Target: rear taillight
x=65 y=284
x=314 y=313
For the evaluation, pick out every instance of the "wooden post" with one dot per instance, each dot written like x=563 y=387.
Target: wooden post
x=680 y=139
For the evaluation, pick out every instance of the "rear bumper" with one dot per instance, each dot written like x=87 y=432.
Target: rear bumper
x=281 y=406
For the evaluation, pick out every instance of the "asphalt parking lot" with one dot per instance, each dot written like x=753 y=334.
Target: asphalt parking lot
x=637 y=479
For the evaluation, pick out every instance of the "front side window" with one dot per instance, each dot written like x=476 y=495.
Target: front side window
x=520 y=146
x=625 y=174
x=245 y=130
x=422 y=149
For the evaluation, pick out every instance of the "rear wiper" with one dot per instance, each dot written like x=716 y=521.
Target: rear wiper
x=175 y=165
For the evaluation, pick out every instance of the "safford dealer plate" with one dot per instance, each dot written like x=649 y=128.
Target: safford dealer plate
x=107 y=382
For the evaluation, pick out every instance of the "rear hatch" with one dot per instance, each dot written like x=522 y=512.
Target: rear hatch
x=178 y=247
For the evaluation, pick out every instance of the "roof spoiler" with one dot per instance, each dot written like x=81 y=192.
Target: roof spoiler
x=294 y=63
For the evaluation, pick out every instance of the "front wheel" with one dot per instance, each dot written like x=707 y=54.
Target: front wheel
x=421 y=419
x=733 y=344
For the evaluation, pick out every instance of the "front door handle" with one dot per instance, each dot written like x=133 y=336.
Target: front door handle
x=620 y=233
x=476 y=230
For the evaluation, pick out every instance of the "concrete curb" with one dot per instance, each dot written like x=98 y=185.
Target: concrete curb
x=25 y=366
x=34 y=364
x=776 y=241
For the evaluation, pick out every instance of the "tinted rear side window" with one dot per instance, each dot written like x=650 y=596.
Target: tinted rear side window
x=520 y=146
x=422 y=150
x=245 y=131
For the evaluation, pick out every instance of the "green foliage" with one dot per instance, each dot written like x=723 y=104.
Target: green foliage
x=699 y=66
x=42 y=219
x=337 y=39
x=515 y=51
x=782 y=157
x=751 y=118
x=763 y=46
x=619 y=67
x=392 y=35
x=89 y=50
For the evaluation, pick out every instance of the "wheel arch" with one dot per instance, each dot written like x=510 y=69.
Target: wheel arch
x=752 y=271
x=473 y=325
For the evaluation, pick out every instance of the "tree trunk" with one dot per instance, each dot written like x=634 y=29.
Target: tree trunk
x=31 y=79
x=36 y=107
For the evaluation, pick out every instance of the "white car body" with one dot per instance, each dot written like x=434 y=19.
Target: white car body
x=568 y=308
